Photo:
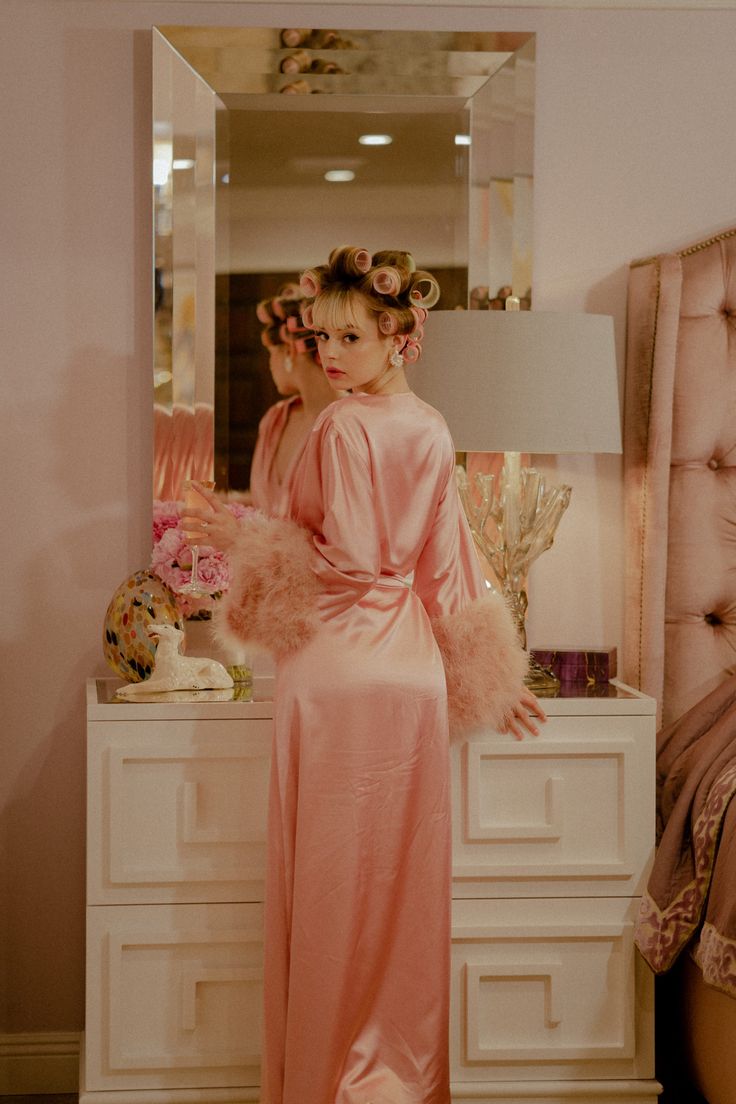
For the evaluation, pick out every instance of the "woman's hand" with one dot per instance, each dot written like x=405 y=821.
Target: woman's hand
x=218 y=526
x=520 y=718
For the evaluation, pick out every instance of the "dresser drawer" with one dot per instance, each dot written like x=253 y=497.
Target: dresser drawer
x=568 y=813
x=173 y=996
x=549 y=990
x=177 y=811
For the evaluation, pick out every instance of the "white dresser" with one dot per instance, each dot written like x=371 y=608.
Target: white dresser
x=552 y=842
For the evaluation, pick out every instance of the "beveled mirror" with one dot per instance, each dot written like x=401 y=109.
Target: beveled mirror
x=248 y=125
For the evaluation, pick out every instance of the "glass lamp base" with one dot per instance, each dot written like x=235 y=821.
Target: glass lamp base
x=541 y=681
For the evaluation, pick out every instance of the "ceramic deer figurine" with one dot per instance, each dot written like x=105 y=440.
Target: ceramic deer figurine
x=173 y=671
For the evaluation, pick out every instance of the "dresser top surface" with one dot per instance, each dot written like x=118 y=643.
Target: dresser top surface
x=247 y=700
x=255 y=700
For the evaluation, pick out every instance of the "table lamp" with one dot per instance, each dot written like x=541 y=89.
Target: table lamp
x=520 y=382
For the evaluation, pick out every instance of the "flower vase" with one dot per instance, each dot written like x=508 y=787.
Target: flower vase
x=200 y=640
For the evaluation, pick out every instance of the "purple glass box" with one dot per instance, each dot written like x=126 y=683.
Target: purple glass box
x=586 y=665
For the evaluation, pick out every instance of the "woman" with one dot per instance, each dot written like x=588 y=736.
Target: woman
x=285 y=426
x=371 y=593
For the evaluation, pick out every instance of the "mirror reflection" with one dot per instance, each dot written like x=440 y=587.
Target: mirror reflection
x=431 y=135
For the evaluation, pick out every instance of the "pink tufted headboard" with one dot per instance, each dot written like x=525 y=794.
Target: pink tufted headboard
x=680 y=469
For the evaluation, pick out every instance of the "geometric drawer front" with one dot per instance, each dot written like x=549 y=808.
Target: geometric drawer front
x=179 y=818
x=545 y=989
x=575 y=809
x=174 y=995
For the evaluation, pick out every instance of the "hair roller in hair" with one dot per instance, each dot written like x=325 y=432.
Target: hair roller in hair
x=309 y=283
x=425 y=298
x=411 y=352
x=362 y=260
x=388 y=323
x=420 y=316
x=306 y=345
x=292 y=323
x=294 y=36
x=347 y=261
x=263 y=314
x=295 y=63
x=308 y=317
x=278 y=308
x=296 y=88
x=386 y=281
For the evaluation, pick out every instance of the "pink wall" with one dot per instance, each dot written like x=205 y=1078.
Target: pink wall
x=633 y=156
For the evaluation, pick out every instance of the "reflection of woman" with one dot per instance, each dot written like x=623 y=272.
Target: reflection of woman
x=366 y=590
x=285 y=426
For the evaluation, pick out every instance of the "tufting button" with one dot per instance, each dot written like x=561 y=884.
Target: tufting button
x=713 y=619
x=713 y=463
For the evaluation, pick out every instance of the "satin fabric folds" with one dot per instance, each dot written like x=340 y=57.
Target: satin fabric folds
x=269 y=493
x=358 y=886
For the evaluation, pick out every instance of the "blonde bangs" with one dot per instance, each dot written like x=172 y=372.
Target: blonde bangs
x=335 y=309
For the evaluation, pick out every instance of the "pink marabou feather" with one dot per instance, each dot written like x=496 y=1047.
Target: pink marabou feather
x=484 y=663
x=271 y=601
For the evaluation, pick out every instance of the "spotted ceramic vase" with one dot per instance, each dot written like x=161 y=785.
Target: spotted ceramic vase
x=140 y=600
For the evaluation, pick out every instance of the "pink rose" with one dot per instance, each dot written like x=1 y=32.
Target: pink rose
x=171 y=558
x=165 y=516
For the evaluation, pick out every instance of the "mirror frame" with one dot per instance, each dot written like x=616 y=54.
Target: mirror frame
x=191 y=105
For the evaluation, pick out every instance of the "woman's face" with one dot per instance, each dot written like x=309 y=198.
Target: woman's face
x=356 y=356
x=283 y=380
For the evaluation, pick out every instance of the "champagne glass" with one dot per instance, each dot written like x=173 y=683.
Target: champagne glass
x=193 y=499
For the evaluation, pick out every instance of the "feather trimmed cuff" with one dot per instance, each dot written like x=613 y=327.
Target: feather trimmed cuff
x=484 y=663
x=272 y=598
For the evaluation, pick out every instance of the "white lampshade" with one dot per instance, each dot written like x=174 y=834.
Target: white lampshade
x=522 y=381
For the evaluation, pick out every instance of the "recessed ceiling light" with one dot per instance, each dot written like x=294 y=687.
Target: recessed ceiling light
x=375 y=139
x=339 y=176
x=462 y=139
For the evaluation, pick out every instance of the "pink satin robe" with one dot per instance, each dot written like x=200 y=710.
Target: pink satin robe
x=269 y=493
x=358 y=887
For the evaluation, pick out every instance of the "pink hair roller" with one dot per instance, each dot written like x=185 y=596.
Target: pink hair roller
x=411 y=352
x=387 y=323
x=284 y=333
x=386 y=281
x=417 y=335
x=420 y=316
x=278 y=308
x=292 y=323
x=307 y=317
x=363 y=260
x=309 y=284
x=300 y=345
x=262 y=315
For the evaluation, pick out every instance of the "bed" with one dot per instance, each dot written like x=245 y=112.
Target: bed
x=680 y=644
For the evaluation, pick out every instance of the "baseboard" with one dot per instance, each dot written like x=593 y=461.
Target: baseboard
x=43 y=1062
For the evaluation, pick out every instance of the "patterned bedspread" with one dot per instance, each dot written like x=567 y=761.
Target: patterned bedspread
x=691 y=895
